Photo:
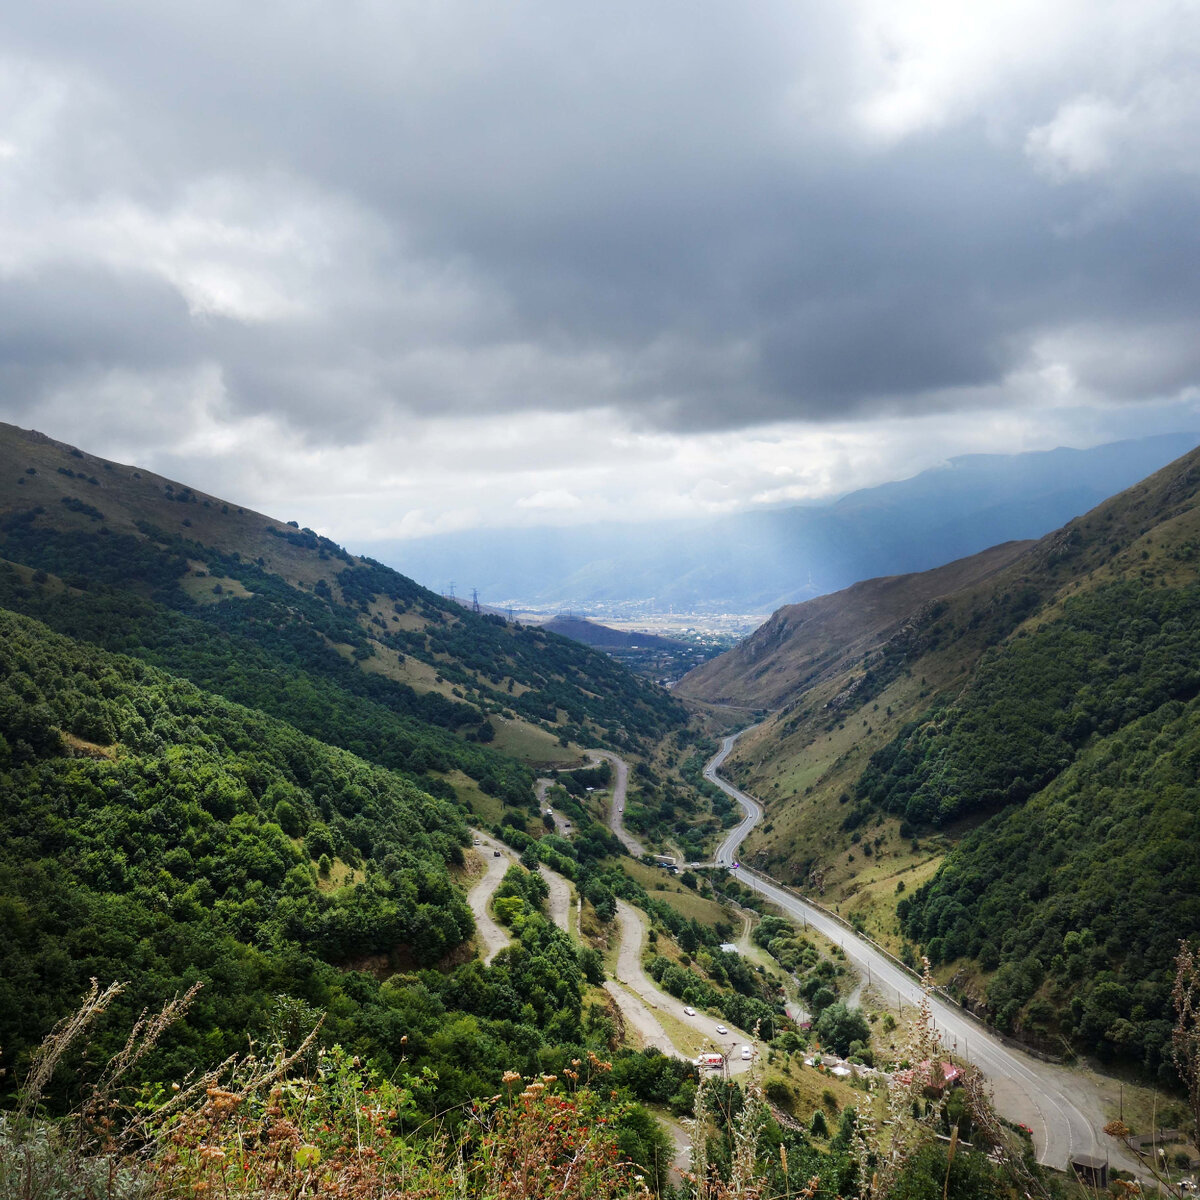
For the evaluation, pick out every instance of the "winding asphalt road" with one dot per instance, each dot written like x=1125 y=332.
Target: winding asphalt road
x=1025 y=1090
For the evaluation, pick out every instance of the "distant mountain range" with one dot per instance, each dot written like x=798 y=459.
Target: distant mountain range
x=590 y=633
x=756 y=562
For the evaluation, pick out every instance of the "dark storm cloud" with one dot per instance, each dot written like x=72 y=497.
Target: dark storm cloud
x=65 y=316
x=678 y=211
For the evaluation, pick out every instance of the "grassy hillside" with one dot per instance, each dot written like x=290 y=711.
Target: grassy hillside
x=1002 y=774
x=282 y=619
x=804 y=644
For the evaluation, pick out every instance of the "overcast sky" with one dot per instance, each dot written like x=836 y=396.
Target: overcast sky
x=390 y=268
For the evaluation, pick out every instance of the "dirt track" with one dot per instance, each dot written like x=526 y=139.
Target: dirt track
x=559 y=903
x=492 y=937
x=616 y=810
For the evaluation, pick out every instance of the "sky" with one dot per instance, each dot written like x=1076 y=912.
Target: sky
x=392 y=269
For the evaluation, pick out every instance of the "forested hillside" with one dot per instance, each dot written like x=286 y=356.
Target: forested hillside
x=232 y=753
x=281 y=619
x=1024 y=749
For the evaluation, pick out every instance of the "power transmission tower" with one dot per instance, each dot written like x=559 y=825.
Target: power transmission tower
x=452 y=589
x=475 y=600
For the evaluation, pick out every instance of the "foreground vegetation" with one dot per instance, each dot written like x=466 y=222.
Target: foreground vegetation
x=318 y=1121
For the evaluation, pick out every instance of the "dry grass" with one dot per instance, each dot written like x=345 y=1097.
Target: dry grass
x=311 y=1122
x=488 y=809
x=341 y=875
x=530 y=743
x=200 y=585
x=418 y=675
x=662 y=886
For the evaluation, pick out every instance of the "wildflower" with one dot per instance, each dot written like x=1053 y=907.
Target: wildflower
x=511 y=1076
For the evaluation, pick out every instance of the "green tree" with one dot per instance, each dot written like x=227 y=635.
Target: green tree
x=839 y=1025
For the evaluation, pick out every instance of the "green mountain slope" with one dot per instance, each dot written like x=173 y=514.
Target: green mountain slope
x=804 y=644
x=232 y=753
x=285 y=620
x=1031 y=735
x=1079 y=897
x=187 y=850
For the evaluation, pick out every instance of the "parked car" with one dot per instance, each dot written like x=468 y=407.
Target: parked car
x=687 y=1008
x=722 y=1030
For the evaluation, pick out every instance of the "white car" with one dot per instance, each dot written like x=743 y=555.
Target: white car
x=691 y=1012
x=747 y=1054
x=722 y=1030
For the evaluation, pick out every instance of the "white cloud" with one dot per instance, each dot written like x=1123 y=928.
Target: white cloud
x=928 y=65
x=556 y=499
x=1080 y=140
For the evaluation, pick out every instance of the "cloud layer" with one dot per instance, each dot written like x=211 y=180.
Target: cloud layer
x=447 y=244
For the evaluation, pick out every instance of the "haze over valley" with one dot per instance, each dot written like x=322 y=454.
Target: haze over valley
x=754 y=562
